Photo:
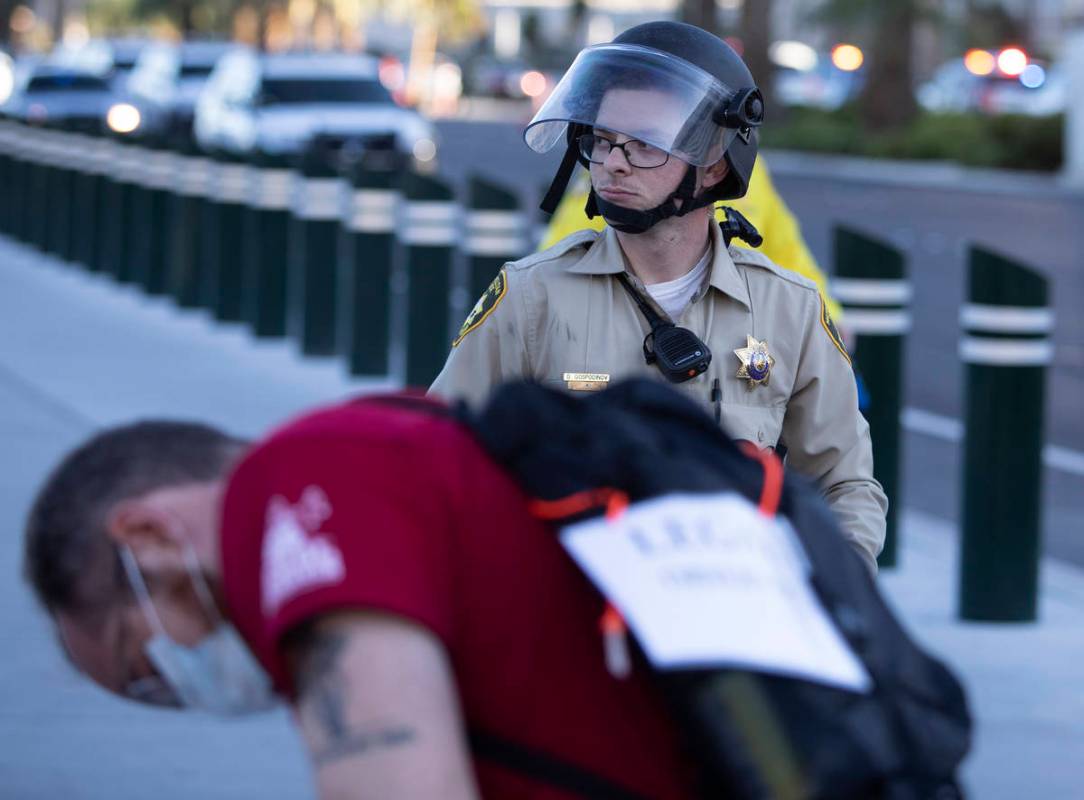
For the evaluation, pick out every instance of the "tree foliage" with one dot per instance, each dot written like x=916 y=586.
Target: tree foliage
x=887 y=100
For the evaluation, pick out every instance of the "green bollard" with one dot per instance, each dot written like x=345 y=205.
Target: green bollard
x=428 y=239
x=871 y=283
x=231 y=195
x=1006 y=347
x=496 y=233
x=99 y=215
x=149 y=219
x=124 y=172
x=310 y=281
x=40 y=178
x=28 y=157
x=59 y=189
x=366 y=257
x=184 y=239
x=210 y=235
x=7 y=177
x=266 y=227
x=82 y=198
x=137 y=200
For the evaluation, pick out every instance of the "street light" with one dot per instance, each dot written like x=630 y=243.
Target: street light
x=1012 y=61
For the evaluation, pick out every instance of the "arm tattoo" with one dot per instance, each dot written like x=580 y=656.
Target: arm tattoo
x=323 y=697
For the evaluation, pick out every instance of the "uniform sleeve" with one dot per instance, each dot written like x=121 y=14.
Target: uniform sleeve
x=347 y=525
x=492 y=344
x=828 y=439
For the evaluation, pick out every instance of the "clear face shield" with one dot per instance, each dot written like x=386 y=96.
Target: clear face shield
x=643 y=94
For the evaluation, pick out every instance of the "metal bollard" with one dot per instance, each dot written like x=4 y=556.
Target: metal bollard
x=148 y=218
x=184 y=240
x=225 y=281
x=29 y=145
x=871 y=283
x=310 y=277
x=1006 y=346
x=41 y=154
x=428 y=238
x=100 y=160
x=84 y=185
x=266 y=225
x=137 y=202
x=121 y=198
x=365 y=260
x=8 y=179
x=59 y=187
x=496 y=233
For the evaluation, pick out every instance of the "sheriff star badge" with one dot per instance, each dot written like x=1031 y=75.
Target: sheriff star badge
x=756 y=362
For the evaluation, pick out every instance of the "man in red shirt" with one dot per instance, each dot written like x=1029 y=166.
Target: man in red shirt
x=433 y=637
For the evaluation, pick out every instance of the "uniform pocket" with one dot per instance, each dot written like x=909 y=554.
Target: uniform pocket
x=761 y=425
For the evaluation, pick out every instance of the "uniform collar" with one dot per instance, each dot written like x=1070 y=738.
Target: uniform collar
x=605 y=257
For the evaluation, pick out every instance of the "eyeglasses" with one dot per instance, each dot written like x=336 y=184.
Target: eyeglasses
x=596 y=149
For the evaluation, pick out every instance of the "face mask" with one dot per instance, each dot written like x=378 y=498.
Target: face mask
x=217 y=674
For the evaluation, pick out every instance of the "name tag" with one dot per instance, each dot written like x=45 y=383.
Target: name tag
x=586 y=381
x=708 y=581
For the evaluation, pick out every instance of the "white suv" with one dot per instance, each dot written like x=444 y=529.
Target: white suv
x=277 y=102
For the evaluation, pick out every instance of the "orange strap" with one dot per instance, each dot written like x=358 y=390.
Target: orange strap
x=772 y=491
x=614 y=500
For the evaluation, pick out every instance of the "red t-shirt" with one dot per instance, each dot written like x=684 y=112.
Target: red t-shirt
x=372 y=505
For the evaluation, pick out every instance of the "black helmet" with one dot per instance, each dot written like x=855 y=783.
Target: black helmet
x=712 y=106
x=745 y=110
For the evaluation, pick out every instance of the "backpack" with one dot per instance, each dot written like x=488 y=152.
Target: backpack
x=755 y=734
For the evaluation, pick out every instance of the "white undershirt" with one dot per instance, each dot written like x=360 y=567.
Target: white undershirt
x=673 y=296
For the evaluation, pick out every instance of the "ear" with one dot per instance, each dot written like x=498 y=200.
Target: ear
x=715 y=174
x=151 y=535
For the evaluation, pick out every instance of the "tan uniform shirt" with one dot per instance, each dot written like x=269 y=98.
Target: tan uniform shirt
x=561 y=317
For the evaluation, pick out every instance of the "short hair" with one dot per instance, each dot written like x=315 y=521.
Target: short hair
x=68 y=558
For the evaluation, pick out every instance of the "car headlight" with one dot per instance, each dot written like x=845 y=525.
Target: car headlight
x=424 y=150
x=123 y=118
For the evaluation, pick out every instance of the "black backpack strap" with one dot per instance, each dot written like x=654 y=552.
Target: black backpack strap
x=547 y=769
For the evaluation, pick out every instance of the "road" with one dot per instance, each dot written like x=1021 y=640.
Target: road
x=933 y=214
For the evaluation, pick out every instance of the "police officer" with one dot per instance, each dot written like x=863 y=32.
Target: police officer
x=665 y=118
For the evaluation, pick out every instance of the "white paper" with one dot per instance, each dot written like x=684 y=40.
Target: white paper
x=707 y=580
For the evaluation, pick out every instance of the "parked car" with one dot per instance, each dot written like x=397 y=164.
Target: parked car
x=278 y=102
x=822 y=85
x=114 y=59
x=165 y=83
x=1040 y=90
x=46 y=93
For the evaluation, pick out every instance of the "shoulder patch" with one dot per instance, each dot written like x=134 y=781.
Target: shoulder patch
x=490 y=299
x=833 y=333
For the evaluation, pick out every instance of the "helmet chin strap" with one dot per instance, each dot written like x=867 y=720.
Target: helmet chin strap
x=631 y=220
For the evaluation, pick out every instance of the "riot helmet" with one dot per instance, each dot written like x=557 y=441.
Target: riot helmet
x=706 y=106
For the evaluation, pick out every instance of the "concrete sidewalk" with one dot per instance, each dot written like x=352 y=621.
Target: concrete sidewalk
x=79 y=353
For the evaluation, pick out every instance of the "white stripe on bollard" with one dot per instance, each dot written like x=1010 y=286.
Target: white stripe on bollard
x=496 y=221
x=1007 y=319
x=272 y=189
x=1007 y=352
x=431 y=211
x=871 y=292
x=231 y=185
x=319 y=199
x=196 y=176
x=496 y=244
x=373 y=210
x=430 y=223
x=870 y=322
